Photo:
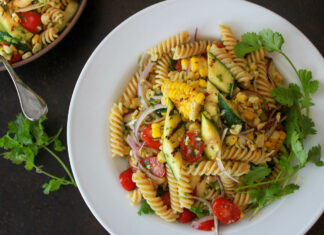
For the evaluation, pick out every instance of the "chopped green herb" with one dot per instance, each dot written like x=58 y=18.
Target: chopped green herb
x=145 y=209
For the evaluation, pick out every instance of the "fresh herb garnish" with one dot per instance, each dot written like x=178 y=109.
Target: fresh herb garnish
x=257 y=173
x=173 y=65
x=145 y=209
x=200 y=212
x=298 y=125
x=23 y=142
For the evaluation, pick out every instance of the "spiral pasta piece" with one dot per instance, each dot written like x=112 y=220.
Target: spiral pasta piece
x=135 y=197
x=118 y=147
x=185 y=190
x=173 y=189
x=234 y=168
x=55 y=14
x=242 y=200
x=263 y=85
x=131 y=91
x=148 y=192
x=165 y=46
x=65 y=2
x=229 y=186
x=255 y=57
x=244 y=155
x=162 y=68
x=230 y=41
x=48 y=36
x=275 y=172
x=189 y=49
x=240 y=75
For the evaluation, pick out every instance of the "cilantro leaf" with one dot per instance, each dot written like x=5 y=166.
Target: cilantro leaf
x=200 y=212
x=307 y=126
x=258 y=173
x=298 y=149
x=58 y=146
x=314 y=155
x=52 y=185
x=286 y=96
x=305 y=77
x=145 y=208
x=271 y=41
x=249 y=43
x=306 y=102
x=284 y=163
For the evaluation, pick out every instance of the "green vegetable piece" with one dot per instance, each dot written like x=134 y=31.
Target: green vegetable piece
x=145 y=209
x=257 y=173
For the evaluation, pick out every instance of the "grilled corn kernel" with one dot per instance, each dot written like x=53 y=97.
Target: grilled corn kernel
x=161 y=157
x=203 y=72
x=194 y=127
x=208 y=47
x=194 y=64
x=135 y=102
x=248 y=115
x=282 y=135
x=231 y=140
x=184 y=64
x=242 y=215
x=241 y=98
x=268 y=144
x=35 y=39
x=250 y=136
x=236 y=129
x=202 y=83
x=156 y=130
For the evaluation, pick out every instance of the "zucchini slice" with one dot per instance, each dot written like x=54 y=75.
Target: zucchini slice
x=220 y=75
x=172 y=134
x=211 y=138
x=230 y=115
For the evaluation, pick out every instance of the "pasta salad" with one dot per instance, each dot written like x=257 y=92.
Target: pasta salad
x=27 y=26
x=211 y=130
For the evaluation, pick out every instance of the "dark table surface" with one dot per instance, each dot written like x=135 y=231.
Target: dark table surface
x=24 y=209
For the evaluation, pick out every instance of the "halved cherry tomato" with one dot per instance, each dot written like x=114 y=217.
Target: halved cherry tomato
x=220 y=46
x=186 y=216
x=226 y=211
x=178 y=65
x=166 y=199
x=16 y=57
x=148 y=139
x=191 y=147
x=207 y=225
x=30 y=20
x=125 y=179
x=157 y=168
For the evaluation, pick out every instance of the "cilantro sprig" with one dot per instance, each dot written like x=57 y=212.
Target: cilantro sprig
x=23 y=142
x=298 y=125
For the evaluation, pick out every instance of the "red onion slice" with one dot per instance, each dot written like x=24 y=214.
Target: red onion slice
x=140 y=85
x=196 y=34
x=222 y=168
x=270 y=63
x=143 y=115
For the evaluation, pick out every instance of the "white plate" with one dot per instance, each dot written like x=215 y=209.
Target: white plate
x=107 y=73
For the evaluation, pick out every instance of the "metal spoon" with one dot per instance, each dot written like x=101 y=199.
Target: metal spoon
x=32 y=105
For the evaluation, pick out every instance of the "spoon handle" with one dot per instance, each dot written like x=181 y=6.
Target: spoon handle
x=32 y=105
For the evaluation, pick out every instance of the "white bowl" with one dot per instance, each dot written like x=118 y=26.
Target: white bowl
x=107 y=73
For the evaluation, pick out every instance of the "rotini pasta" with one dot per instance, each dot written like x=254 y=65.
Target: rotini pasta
x=189 y=49
x=173 y=189
x=185 y=190
x=135 y=197
x=245 y=155
x=165 y=46
x=147 y=190
x=242 y=200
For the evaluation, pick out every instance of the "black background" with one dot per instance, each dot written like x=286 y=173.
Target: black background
x=24 y=209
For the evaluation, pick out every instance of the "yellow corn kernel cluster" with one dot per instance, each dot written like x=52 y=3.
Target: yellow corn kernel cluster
x=157 y=129
x=35 y=39
x=184 y=64
x=199 y=64
x=185 y=96
x=161 y=157
x=231 y=140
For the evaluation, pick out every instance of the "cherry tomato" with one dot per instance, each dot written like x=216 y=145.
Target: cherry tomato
x=207 y=225
x=30 y=20
x=178 y=65
x=186 y=216
x=125 y=179
x=166 y=199
x=226 y=211
x=157 y=168
x=148 y=139
x=191 y=147
x=220 y=46
x=16 y=57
